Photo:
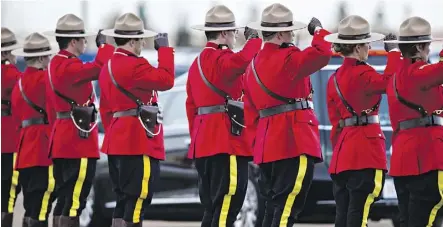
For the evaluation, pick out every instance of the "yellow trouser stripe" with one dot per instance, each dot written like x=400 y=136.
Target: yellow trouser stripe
x=144 y=191
x=47 y=195
x=302 y=168
x=232 y=189
x=378 y=181
x=439 y=204
x=78 y=187
x=14 y=183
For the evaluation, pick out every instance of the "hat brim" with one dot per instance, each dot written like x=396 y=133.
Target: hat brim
x=333 y=38
x=146 y=34
x=53 y=33
x=205 y=28
x=417 y=41
x=12 y=47
x=296 y=25
x=20 y=52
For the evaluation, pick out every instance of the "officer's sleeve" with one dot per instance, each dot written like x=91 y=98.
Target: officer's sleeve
x=299 y=64
x=251 y=112
x=333 y=113
x=429 y=75
x=375 y=83
x=77 y=72
x=191 y=109
x=50 y=109
x=105 y=110
x=15 y=110
x=161 y=78
x=232 y=65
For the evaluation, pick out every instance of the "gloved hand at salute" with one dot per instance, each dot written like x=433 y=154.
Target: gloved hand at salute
x=390 y=46
x=100 y=39
x=250 y=33
x=313 y=25
x=161 y=40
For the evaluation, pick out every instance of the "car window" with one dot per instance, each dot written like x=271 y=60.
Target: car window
x=175 y=109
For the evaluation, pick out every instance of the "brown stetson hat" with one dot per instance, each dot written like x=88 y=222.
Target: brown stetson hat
x=129 y=26
x=9 y=42
x=218 y=18
x=70 y=26
x=277 y=18
x=414 y=30
x=353 y=30
x=36 y=45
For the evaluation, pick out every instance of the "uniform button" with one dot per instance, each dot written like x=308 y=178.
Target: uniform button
x=379 y=135
x=310 y=121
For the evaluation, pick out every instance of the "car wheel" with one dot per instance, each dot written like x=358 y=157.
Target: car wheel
x=250 y=214
x=91 y=215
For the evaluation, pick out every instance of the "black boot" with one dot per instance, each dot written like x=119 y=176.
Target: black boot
x=56 y=221
x=7 y=219
x=25 y=222
x=117 y=222
x=130 y=224
x=37 y=223
x=69 y=221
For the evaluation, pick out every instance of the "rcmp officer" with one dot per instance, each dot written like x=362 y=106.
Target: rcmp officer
x=73 y=144
x=29 y=108
x=354 y=92
x=415 y=98
x=278 y=104
x=134 y=136
x=10 y=75
x=216 y=117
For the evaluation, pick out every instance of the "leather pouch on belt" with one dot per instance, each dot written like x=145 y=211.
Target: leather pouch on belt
x=84 y=117
x=148 y=115
x=235 y=111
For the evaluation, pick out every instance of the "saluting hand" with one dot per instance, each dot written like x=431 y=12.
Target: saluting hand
x=250 y=33
x=313 y=25
x=390 y=46
x=100 y=39
x=161 y=40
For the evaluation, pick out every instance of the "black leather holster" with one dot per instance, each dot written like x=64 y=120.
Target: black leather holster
x=148 y=115
x=235 y=111
x=84 y=117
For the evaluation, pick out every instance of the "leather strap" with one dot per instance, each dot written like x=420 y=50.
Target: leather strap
x=426 y=121
x=63 y=115
x=33 y=121
x=6 y=113
x=30 y=103
x=211 y=86
x=407 y=103
x=349 y=107
x=211 y=109
x=359 y=121
x=125 y=113
x=124 y=91
x=298 y=105
x=72 y=102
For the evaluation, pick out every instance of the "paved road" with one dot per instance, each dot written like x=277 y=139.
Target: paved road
x=18 y=214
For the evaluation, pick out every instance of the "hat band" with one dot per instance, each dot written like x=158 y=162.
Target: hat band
x=415 y=38
x=354 y=37
x=36 y=50
x=126 y=32
x=220 y=25
x=277 y=25
x=7 y=44
x=69 y=31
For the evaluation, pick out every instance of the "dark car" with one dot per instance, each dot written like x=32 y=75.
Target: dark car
x=176 y=197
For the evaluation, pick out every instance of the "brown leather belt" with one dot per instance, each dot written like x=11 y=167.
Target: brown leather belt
x=211 y=109
x=125 y=113
x=298 y=105
x=427 y=121
x=359 y=121
x=34 y=121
